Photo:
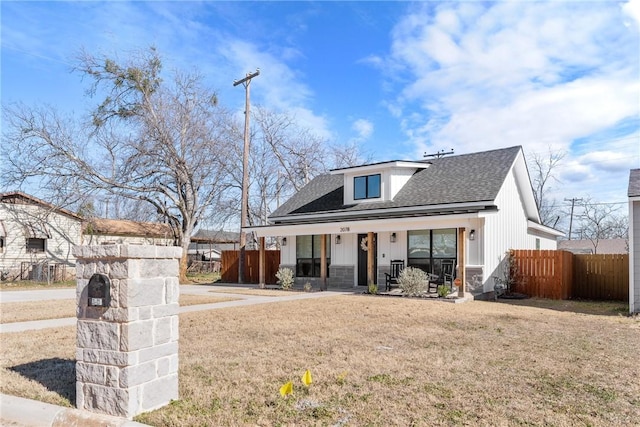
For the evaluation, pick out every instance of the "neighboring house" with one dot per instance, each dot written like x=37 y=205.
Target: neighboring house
x=586 y=246
x=218 y=240
x=465 y=211
x=36 y=238
x=634 y=241
x=102 y=231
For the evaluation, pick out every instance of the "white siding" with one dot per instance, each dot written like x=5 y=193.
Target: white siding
x=634 y=256
x=505 y=229
x=64 y=231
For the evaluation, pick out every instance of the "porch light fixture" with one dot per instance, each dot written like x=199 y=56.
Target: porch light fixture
x=392 y=238
x=284 y=241
x=338 y=239
x=472 y=235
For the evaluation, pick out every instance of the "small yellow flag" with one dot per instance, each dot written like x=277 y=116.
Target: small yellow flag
x=306 y=378
x=286 y=389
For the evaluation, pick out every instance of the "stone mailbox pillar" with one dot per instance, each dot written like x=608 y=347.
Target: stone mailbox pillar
x=127 y=351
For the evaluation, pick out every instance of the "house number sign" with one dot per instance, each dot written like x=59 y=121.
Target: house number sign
x=344 y=229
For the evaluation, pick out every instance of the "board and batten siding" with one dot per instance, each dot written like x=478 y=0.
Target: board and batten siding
x=504 y=230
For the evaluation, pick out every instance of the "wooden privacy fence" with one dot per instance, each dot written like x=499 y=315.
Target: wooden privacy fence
x=601 y=277
x=563 y=275
x=230 y=259
x=544 y=274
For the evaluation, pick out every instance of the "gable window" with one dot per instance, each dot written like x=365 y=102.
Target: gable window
x=366 y=187
x=308 y=255
x=35 y=244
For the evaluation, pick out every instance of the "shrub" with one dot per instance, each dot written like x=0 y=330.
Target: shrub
x=373 y=288
x=413 y=281
x=307 y=287
x=507 y=279
x=443 y=291
x=285 y=277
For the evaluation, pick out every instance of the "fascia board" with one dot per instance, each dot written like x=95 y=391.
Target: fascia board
x=356 y=226
x=373 y=212
x=544 y=229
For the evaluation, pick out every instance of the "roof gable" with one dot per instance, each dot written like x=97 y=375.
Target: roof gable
x=455 y=180
x=634 y=183
x=20 y=198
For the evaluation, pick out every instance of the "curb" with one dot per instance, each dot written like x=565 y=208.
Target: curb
x=21 y=412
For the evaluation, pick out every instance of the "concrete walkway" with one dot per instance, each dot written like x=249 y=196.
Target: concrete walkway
x=20 y=412
x=241 y=300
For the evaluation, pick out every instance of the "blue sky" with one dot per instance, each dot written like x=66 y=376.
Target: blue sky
x=399 y=78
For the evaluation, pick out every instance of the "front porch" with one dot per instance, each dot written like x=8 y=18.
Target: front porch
x=351 y=259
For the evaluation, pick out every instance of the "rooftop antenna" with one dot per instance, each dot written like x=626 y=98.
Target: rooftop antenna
x=439 y=154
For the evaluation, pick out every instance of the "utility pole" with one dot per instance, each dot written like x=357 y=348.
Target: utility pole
x=246 y=82
x=573 y=203
x=439 y=154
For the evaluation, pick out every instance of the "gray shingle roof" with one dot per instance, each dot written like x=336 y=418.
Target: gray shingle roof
x=466 y=178
x=634 y=183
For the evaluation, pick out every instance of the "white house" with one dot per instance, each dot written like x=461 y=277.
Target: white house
x=36 y=238
x=634 y=241
x=345 y=227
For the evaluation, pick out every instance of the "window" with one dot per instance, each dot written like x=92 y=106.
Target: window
x=1 y=244
x=35 y=245
x=308 y=255
x=366 y=187
x=427 y=249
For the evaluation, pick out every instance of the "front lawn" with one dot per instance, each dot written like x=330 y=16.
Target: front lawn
x=381 y=361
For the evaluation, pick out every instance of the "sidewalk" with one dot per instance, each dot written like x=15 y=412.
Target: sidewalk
x=20 y=412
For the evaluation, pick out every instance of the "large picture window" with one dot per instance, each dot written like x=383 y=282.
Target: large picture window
x=308 y=255
x=429 y=250
x=366 y=187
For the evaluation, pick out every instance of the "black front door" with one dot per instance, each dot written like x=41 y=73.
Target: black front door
x=362 y=258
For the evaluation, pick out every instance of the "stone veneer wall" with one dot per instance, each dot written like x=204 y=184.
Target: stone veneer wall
x=127 y=353
x=341 y=276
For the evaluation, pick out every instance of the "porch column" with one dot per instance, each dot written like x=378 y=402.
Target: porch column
x=323 y=263
x=370 y=273
x=261 y=264
x=462 y=240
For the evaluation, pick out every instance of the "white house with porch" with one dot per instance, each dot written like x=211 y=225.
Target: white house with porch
x=344 y=228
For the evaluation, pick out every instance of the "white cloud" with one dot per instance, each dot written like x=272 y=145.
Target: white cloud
x=541 y=75
x=363 y=127
x=632 y=8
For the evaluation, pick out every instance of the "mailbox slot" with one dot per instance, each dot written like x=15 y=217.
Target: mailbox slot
x=99 y=290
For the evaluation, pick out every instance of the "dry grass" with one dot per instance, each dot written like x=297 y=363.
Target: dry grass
x=29 y=285
x=37 y=310
x=40 y=310
x=252 y=291
x=384 y=361
x=186 y=299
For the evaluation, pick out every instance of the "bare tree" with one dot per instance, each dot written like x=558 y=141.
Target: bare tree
x=148 y=140
x=543 y=174
x=600 y=221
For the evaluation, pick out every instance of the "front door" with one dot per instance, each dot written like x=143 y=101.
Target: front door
x=362 y=258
